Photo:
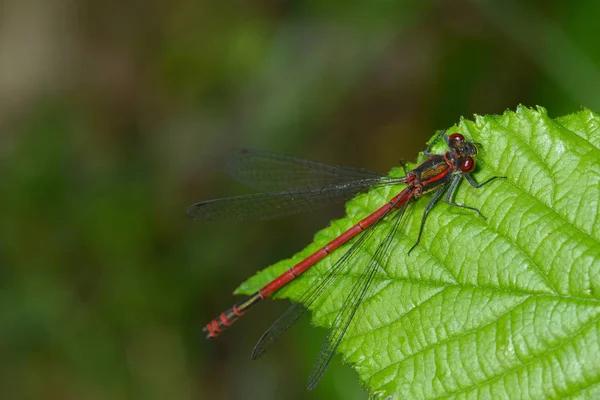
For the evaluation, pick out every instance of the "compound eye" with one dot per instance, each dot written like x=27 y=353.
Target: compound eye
x=456 y=137
x=467 y=165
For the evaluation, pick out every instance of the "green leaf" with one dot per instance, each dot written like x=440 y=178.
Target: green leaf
x=507 y=306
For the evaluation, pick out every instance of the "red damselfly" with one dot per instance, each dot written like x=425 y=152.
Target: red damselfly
x=317 y=185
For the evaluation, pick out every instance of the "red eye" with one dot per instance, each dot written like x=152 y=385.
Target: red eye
x=456 y=136
x=467 y=165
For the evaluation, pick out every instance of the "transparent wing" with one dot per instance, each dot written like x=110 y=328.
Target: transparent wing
x=350 y=306
x=271 y=205
x=313 y=185
x=269 y=172
x=295 y=311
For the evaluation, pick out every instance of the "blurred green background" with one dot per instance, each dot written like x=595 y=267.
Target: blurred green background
x=114 y=117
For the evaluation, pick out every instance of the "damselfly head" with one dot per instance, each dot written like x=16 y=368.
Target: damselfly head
x=461 y=147
x=463 y=152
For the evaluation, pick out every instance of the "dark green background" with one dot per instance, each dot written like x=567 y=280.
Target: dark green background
x=114 y=118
